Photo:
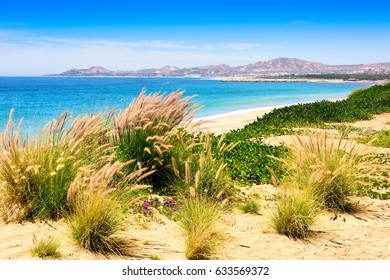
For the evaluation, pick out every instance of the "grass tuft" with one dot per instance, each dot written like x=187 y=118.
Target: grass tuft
x=294 y=215
x=96 y=220
x=45 y=248
x=145 y=129
x=331 y=168
x=198 y=218
x=251 y=207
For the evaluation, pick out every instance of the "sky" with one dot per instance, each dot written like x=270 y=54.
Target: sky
x=44 y=37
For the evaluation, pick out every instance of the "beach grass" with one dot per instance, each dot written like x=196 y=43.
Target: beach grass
x=331 y=168
x=86 y=171
x=199 y=218
x=250 y=206
x=96 y=221
x=46 y=248
x=143 y=132
x=36 y=175
x=294 y=214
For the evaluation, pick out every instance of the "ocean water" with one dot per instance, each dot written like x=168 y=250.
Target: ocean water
x=38 y=100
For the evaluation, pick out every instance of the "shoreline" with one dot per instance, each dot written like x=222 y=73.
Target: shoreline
x=294 y=80
x=225 y=122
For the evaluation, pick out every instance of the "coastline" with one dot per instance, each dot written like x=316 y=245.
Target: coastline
x=226 y=122
x=295 y=80
x=223 y=123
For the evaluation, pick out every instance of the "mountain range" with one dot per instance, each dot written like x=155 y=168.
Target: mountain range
x=274 y=67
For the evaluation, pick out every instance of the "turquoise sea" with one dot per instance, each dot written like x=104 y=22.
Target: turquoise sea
x=41 y=99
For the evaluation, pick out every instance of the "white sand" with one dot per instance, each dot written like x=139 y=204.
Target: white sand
x=226 y=122
x=223 y=123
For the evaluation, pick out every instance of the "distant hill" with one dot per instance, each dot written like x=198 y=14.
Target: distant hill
x=274 y=67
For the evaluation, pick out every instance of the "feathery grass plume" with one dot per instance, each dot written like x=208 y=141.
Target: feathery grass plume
x=204 y=167
x=199 y=218
x=295 y=213
x=45 y=248
x=99 y=199
x=145 y=129
x=330 y=168
x=35 y=176
x=96 y=220
x=108 y=178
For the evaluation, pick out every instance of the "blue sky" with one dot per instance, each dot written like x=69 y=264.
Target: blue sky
x=40 y=37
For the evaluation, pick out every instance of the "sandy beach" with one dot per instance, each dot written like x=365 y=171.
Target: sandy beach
x=223 y=123
x=226 y=122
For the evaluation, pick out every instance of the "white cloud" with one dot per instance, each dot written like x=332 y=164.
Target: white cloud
x=298 y=22
x=22 y=54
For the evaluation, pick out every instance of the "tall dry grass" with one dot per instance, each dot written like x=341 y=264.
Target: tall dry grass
x=144 y=131
x=201 y=165
x=99 y=200
x=35 y=176
x=330 y=167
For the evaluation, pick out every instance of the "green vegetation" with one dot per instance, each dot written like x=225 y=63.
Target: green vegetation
x=376 y=188
x=335 y=76
x=295 y=214
x=45 y=248
x=249 y=160
x=379 y=139
x=96 y=219
x=250 y=206
x=198 y=219
x=330 y=168
x=249 y=163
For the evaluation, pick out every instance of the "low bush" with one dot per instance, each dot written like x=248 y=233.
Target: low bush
x=249 y=162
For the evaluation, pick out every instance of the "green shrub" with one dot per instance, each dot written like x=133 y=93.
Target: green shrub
x=249 y=162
